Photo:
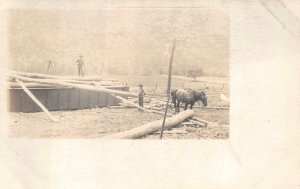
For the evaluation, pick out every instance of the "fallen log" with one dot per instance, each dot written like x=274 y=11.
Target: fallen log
x=36 y=100
x=151 y=127
x=120 y=107
x=216 y=108
x=200 y=120
x=78 y=86
x=194 y=122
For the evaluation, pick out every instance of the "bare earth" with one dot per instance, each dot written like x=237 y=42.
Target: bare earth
x=95 y=123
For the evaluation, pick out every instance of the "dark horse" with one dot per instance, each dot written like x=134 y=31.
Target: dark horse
x=188 y=97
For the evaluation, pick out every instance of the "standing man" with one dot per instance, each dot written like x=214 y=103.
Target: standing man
x=141 y=95
x=80 y=64
x=50 y=65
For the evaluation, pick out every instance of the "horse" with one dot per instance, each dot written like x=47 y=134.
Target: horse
x=188 y=97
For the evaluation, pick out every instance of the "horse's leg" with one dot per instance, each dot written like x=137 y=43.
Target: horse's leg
x=192 y=104
x=185 y=106
x=178 y=105
x=174 y=102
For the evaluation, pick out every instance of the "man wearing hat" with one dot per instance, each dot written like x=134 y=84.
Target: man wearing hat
x=80 y=64
x=141 y=95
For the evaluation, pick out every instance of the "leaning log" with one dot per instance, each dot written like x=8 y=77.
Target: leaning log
x=151 y=127
x=131 y=103
x=78 y=86
x=36 y=101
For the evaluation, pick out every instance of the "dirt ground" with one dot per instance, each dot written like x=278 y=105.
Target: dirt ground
x=95 y=123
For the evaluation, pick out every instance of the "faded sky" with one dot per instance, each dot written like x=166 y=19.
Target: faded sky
x=132 y=40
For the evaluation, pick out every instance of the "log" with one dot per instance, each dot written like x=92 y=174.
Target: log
x=128 y=102
x=46 y=76
x=200 y=120
x=148 y=107
x=151 y=127
x=78 y=86
x=216 y=108
x=197 y=122
x=36 y=100
x=120 y=107
x=29 y=85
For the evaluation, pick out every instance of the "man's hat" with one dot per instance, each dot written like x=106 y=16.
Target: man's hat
x=140 y=85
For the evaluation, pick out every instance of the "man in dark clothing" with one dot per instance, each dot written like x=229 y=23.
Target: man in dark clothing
x=80 y=64
x=141 y=95
x=50 y=65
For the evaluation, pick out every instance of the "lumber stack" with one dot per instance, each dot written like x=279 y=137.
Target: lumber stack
x=36 y=80
x=43 y=80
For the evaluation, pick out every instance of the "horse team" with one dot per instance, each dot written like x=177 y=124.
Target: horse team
x=188 y=97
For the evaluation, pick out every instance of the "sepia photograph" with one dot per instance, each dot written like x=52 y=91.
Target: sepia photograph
x=208 y=88
x=120 y=73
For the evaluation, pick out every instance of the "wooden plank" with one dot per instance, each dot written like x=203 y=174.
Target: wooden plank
x=74 y=99
x=15 y=102
x=63 y=96
x=52 y=100
x=84 y=99
x=93 y=99
x=102 y=99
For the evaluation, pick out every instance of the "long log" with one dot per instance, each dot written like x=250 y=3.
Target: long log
x=30 y=85
x=131 y=103
x=78 y=86
x=36 y=100
x=46 y=76
x=148 y=107
x=216 y=108
x=151 y=127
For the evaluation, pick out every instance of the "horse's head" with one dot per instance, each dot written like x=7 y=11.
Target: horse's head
x=202 y=97
x=173 y=92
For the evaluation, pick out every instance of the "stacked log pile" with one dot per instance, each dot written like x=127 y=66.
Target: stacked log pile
x=35 y=80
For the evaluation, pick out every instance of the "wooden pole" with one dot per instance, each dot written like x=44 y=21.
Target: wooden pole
x=78 y=86
x=168 y=89
x=36 y=100
x=151 y=127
